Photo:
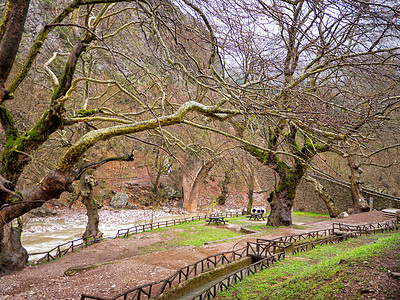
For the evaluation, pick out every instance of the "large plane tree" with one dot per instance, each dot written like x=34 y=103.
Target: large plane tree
x=314 y=76
x=120 y=67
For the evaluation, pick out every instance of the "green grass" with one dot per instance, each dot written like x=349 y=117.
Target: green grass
x=318 y=274
x=194 y=233
x=309 y=214
x=308 y=217
x=197 y=236
x=238 y=220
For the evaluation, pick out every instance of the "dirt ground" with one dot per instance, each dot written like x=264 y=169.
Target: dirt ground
x=128 y=268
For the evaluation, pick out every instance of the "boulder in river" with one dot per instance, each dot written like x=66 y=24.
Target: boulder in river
x=119 y=200
x=43 y=211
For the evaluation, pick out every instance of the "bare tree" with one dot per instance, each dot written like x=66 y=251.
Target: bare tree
x=302 y=69
x=159 y=50
x=324 y=195
x=356 y=161
x=224 y=186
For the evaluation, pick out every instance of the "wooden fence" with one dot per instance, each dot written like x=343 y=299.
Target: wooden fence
x=150 y=226
x=297 y=237
x=386 y=226
x=266 y=248
x=327 y=241
x=239 y=275
x=63 y=249
x=155 y=289
x=73 y=245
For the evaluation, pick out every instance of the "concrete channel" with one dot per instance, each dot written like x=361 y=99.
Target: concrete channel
x=194 y=287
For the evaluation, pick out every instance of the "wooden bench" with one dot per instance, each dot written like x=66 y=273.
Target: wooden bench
x=216 y=220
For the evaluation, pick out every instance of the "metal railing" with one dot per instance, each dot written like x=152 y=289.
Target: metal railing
x=347 y=185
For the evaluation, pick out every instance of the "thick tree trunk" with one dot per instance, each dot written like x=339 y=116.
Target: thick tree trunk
x=359 y=203
x=87 y=182
x=323 y=194
x=224 y=189
x=282 y=197
x=13 y=256
x=281 y=209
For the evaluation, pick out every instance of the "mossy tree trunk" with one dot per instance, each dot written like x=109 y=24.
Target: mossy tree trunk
x=282 y=197
x=87 y=182
x=359 y=203
x=224 y=188
x=290 y=173
x=16 y=153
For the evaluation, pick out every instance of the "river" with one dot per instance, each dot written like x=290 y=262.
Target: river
x=43 y=234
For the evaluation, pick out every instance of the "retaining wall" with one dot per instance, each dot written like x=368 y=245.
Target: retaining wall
x=307 y=198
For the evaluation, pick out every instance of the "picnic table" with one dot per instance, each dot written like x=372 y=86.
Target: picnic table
x=216 y=220
x=256 y=216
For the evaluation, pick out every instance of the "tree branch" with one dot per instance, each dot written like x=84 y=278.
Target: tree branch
x=97 y=164
x=88 y=140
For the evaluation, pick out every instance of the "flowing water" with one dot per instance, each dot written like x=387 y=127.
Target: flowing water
x=43 y=234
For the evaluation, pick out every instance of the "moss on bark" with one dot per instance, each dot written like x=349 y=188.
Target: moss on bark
x=282 y=197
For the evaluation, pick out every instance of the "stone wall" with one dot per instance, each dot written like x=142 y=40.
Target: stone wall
x=307 y=199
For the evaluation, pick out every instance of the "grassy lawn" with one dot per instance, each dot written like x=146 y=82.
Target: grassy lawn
x=308 y=217
x=298 y=217
x=193 y=235
x=196 y=233
x=322 y=273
